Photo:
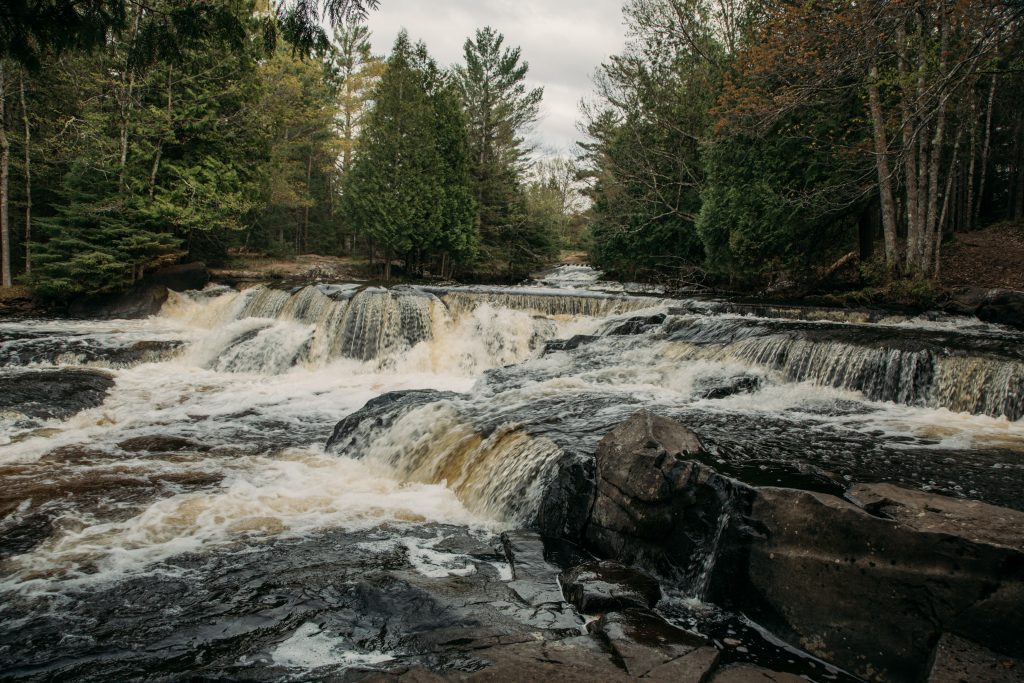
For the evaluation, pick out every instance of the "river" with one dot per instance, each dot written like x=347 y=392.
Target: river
x=194 y=521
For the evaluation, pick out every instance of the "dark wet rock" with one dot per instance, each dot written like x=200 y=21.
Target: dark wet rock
x=181 y=278
x=693 y=667
x=815 y=569
x=578 y=660
x=1003 y=306
x=821 y=572
x=778 y=473
x=534 y=580
x=654 y=506
x=570 y=344
x=749 y=673
x=638 y=324
x=724 y=388
x=965 y=300
x=159 y=443
x=56 y=393
x=762 y=309
x=958 y=660
x=379 y=414
x=598 y=587
x=53 y=350
x=971 y=520
x=643 y=641
x=141 y=301
x=565 y=508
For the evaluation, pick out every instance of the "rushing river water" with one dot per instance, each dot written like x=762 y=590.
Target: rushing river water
x=194 y=521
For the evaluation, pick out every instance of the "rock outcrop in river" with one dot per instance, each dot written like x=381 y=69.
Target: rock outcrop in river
x=869 y=583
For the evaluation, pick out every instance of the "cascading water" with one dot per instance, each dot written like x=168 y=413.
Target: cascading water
x=197 y=464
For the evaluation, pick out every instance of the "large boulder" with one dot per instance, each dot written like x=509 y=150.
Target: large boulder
x=868 y=582
x=872 y=594
x=654 y=505
x=1003 y=306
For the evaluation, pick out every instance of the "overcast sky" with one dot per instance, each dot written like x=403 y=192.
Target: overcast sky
x=563 y=40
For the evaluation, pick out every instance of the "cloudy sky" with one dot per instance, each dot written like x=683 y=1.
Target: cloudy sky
x=563 y=41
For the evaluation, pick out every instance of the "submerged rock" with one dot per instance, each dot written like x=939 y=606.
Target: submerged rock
x=744 y=384
x=53 y=393
x=159 y=443
x=638 y=324
x=379 y=414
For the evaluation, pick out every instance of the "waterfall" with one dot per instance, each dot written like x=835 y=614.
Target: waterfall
x=265 y=330
x=500 y=475
x=929 y=369
x=381 y=321
x=542 y=302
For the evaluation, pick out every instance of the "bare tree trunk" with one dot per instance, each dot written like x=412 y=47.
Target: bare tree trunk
x=28 y=177
x=986 y=150
x=882 y=165
x=928 y=235
x=940 y=226
x=5 y=159
x=910 y=146
x=968 y=209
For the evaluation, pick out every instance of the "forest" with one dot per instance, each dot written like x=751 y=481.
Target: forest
x=733 y=143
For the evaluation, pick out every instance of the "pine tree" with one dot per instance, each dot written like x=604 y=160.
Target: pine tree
x=394 y=191
x=500 y=110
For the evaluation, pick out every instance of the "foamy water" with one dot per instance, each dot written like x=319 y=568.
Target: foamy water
x=211 y=442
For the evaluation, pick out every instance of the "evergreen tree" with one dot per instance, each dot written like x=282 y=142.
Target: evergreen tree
x=500 y=110
x=394 y=190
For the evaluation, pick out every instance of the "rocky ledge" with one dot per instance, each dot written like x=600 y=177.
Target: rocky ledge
x=871 y=582
x=830 y=582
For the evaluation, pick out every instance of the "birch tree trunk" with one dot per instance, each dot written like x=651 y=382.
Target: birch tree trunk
x=882 y=165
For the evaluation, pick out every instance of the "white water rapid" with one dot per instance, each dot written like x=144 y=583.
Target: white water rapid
x=207 y=452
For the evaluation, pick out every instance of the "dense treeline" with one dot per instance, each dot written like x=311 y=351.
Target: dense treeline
x=755 y=142
x=735 y=141
x=145 y=134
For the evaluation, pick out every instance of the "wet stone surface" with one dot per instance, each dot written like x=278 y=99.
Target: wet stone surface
x=408 y=596
x=54 y=392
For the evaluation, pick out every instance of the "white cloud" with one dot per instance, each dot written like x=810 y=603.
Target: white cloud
x=563 y=41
